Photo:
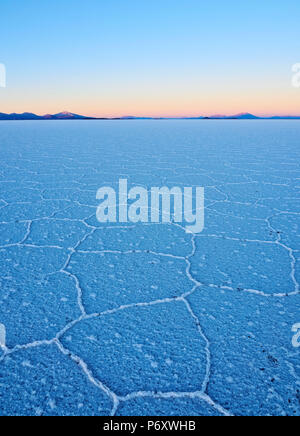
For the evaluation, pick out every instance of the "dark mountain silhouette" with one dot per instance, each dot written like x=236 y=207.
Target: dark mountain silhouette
x=245 y=116
x=67 y=116
x=30 y=116
x=24 y=116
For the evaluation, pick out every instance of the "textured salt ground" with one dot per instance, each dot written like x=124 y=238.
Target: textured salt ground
x=252 y=358
x=241 y=270
x=45 y=382
x=149 y=406
x=146 y=319
x=156 y=353
x=122 y=278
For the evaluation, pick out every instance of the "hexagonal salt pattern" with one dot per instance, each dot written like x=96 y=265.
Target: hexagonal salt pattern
x=124 y=318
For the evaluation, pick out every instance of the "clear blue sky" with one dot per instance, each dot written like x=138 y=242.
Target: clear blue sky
x=149 y=57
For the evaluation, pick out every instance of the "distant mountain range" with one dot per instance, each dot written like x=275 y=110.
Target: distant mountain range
x=30 y=116
x=71 y=116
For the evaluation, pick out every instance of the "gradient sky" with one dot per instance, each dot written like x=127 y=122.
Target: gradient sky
x=150 y=57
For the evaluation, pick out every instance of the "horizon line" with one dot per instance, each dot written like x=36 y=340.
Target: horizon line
x=71 y=115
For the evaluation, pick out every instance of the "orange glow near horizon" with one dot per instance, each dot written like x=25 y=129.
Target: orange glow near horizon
x=157 y=98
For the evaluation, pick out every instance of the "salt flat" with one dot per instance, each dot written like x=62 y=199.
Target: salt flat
x=146 y=319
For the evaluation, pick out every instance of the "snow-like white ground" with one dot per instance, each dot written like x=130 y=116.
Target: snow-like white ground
x=146 y=319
